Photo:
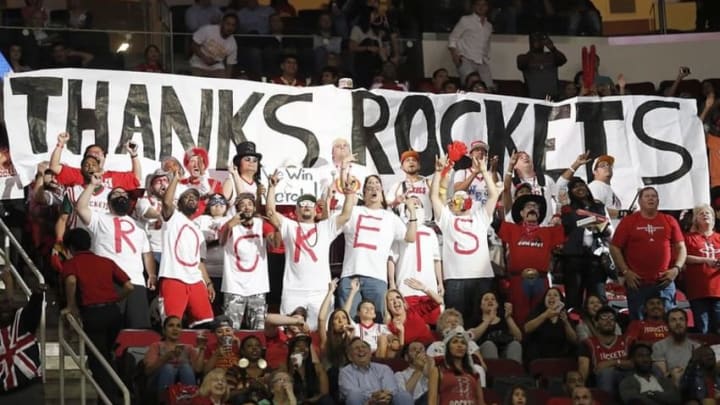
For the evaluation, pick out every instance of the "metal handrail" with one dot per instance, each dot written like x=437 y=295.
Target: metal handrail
x=79 y=359
x=11 y=240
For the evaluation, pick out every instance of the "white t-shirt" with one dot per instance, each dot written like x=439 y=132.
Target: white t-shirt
x=369 y=235
x=465 y=248
x=478 y=187
x=602 y=192
x=153 y=227
x=419 y=189
x=330 y=171
x=120 y=239
x=214 y=46
x=98 y=203
x=246 y=269
x=183 y=248
x=307 y=254
x=417 y=260
x=370 y=334
x=210 y=228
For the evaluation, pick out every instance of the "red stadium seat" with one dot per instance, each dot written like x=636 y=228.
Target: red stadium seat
x=143 y=338
x=511 y=88
x=491 y=397
x=641 y=89
x=708 y=339
x=504 y=368
x=552 y=367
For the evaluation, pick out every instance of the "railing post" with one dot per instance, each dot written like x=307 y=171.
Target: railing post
x=61 y=352
x=83 y=369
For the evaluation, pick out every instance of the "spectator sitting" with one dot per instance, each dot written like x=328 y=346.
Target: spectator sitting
x=497 y=334
x=571 y=380
x=289 y=70
x=586 y=328
x=540 y=68
x=582 y=396
x=213 y=390
x=388 y=79
x=281 y=390
x=226 y=351
x=701 y=281
x=363 y=381
x=548 y=332
x=247 y=378
x=374 y=334
x=254 y=18
x=62 y=57
x=202 y=13
x=470 y=80
x=652 y=327
x=214 y=48
x=449 y=320
x=584 y=18
x=325 y=41
x=283 y=8
x=15 y=58
x=517 y=395
x=700 y=378
x=153 y=62
x=408 y=324
x=642 y=386
x=329 y=76
x=439 y=77
x=310 y=380
x=457 y=378
x=672 y=354
x=280 y=330
x=169 y=361
x=414 y=379
x=450 y=87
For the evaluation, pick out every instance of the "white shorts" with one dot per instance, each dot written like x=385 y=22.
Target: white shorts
x=310 y=300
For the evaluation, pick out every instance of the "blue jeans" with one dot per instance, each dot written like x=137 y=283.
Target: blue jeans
x=464 y=295
x=400 y=397
x=533 y=288
x=706 y=313
x=585 y=21
x=370 y=289
x=636 y=298
x=169 y=374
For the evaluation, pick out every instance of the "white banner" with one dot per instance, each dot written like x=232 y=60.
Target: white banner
x=657 y=141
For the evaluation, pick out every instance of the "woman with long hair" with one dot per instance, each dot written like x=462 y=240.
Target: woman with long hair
x=168 y=361
x=702 y=284
x=213 y=390
x=310 y=380
x=586 y=327
x=455 y=380
x=582 y=270
x=370 y=43
x=548 y=332
x=498 y=335
x=339 y=331
x=407 y=323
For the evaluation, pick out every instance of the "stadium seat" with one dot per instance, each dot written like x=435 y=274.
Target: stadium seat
x=511 y=88
x=491 y=397
x=504 y=368
x=708 y=339
x=691 y=86
x=552 y=367
x=538 y=396
x=602 y=397
x=641 y=89
x=142 y=338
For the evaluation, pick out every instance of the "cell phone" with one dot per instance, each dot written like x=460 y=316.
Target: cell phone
x=560 y=306
x=132 y=145
x=686 y=70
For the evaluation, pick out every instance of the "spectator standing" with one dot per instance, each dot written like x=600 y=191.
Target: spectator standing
x=93 y=280
x=672 y=354
x=523 y=171
x=245 y=173
x=584 y=18
x=339 y=332
x=210 y=223
x=540 y=68
x=456 y=380
x=710 y=116
x=702 y=285
x=202 y=13
x=469 y=43
x=148 y=210
x=214 y=48
x=548 y=332
x=367 y=43
x=648 y=249
x=413 y=184
x=78 y=17
x=31 y=8
x=254 y=18
x=642 y=386
x=701 y=376
x=153 y=60
x=289 y=72
x=471 y=179
x=196 y=161
x=602 y=170
x=325 y=41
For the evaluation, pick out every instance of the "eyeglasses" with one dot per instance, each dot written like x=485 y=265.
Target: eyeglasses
x=306 y=204
x=606 y=317
x=251 y=159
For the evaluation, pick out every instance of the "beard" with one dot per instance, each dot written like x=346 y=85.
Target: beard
x=246 y=216
x=187 y=209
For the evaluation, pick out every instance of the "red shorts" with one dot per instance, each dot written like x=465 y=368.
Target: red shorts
x=430 y=318
x=176 y=297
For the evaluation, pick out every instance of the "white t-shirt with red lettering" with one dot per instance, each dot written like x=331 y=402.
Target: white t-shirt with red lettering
x=369 y=235
x=465 y=248
x=183 y=248
x=122 y=240
x=417 y=260
x=307 y=258
x=98 y=203
x=245 y=271
x=419 y=188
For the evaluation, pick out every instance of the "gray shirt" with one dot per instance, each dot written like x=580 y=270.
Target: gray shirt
x=673 y=354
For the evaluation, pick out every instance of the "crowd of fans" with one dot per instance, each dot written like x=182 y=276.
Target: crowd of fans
x=442 y=278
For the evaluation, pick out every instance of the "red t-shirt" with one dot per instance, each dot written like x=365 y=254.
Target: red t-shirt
x=597 y=352
x=647 y=331
x=215 y=187
x=224 y=362
x=457 y=389
x=530 y=248
x=647 y=243
x=72 y=176
x=96 y=278
x=701 y=280
x=563 y=401
x=415 y=326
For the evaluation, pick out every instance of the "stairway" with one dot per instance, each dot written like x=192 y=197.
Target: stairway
x=72 y=379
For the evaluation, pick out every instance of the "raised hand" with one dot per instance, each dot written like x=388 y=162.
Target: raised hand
x=274 y=179
x=583 y=158
x=508 y=310
x=332 y=285
x=355 y=284
x=63 y=138
x=131 y=147
x=415 y=284
x=96 y=179
x=440 y=163
x=683 y=72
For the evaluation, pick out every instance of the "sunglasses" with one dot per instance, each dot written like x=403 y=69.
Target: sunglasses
x=306 y=204
x=251 y=159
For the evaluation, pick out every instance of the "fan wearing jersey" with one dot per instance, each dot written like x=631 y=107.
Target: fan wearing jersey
x=307 y=245
x=246 y=238
x=117 y=236
x=369 y=235
x=471 y=179
x=374 y=334
x=184 y=282
x=464 y=224
x=419 y=260
x=413 y=183
x=149 y=207
x=196 y=162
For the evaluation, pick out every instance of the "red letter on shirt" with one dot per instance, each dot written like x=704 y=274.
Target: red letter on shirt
x=300 y=238
x=358 y=227
x=196 y=242
x=418 y=256
x=237 y=254
x=121 y=234
x=456 y=247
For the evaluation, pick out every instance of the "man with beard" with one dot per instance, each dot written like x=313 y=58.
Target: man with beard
x=196 y=162
x=369 y=235
x=116 y=236
x=605 y=354
x=307 y=264
x=464 y=225
x=652 y=327
x=529 y=250
x=73 y=176
x=672 y=354
x=149 y=207
x=184 y=282
x=522 y=170
x=245 y=272
x=21 y=379
x=642 y=386
x=413 y=183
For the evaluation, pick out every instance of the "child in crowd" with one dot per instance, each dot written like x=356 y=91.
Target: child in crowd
x=374 y=334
